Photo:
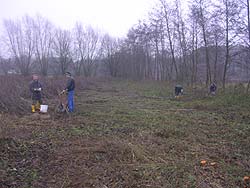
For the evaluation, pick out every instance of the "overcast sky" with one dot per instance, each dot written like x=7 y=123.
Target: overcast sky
x=112 y=16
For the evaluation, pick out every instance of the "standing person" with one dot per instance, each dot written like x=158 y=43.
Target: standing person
x=70 y=87
x=36 y=92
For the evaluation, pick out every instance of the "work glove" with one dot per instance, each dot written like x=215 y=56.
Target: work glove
x=37 y=89
x=63 y=91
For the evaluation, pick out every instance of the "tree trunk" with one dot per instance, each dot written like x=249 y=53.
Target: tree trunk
x=171 y=42
x=215 y=61
x=208 y=75
x=227 y=49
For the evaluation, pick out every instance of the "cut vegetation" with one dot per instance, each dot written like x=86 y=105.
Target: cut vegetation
x=128 y=134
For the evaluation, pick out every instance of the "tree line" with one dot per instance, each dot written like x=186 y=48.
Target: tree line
x=35 y=43
x=204 y=42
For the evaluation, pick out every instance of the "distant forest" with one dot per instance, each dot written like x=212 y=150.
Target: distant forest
x=209 y=41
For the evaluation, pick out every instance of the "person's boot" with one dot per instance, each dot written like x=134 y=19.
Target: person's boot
x=33 y=108
x=37 y=107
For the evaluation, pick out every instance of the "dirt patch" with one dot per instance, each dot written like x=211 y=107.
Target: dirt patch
x=22 y=164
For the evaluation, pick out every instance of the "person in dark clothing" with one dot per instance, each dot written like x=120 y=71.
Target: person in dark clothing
x=178 y=91
x=36 y=92
x=70 y=87
x=213 y=88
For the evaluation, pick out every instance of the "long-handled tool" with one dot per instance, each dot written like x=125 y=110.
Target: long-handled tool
x=63 y=103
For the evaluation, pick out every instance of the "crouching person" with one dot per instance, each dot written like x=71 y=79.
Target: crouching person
x=36 y=92
x=178 y=91
x=213 y=88
x=70 y=87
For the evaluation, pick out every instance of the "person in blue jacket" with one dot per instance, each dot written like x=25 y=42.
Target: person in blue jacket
x=70 y=87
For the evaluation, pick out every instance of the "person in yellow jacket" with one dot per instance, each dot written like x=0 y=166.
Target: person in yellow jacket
x=36 y=92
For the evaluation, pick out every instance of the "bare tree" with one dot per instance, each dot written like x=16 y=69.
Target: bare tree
x=43 y=40
x=181 y=33
x=20 y=37
x=93 y=50
x=139 y=46
x=79 y=48
x=231 y=11
x=245 y=34
x=156 y=27
x=202 y=8
x=248 y=31
x=194 y=44
x=62 y=49
x=166 y=11
x=216 y=40
x=86 y=49
x=109 y=49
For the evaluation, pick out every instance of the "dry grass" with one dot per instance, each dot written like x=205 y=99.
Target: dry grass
x=131 y=134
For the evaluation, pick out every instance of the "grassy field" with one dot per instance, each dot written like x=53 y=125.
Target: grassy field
x=128 y=134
